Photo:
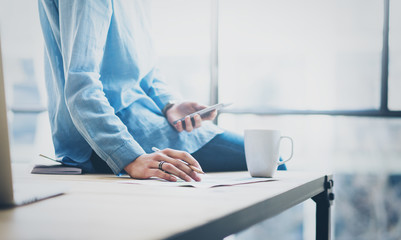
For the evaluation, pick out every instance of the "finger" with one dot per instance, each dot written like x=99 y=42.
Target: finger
x=174 y=166
x=167 y=159
x=188 y=124
x=179 y=126
x=210 y=116
x=197 y=120
x=199 y=106
x=195 y=176
x=184 y=167
x=182 y=155
x=189 y=107
x=170 y=168
x=160 y=174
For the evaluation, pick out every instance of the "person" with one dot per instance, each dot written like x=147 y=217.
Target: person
x=108 y=104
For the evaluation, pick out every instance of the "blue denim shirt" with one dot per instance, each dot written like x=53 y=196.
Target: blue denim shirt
x=105 y=93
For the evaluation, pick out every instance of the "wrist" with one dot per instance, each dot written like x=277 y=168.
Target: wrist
x=166 y=107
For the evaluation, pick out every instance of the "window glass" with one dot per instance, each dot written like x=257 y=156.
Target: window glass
x=395 y=56
x=312 y=54
x=181 y=35
x=22 y=49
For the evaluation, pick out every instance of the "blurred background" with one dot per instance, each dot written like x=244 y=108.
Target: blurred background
x=326 y=73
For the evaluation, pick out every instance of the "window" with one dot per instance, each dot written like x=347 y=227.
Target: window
x=301 y=55
x=395 y=56
x=317 y=70
x=181 y=35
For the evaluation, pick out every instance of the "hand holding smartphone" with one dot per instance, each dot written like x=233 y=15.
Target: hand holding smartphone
x=204 y=111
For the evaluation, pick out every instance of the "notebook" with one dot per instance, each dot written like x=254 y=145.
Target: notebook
x=55 y=169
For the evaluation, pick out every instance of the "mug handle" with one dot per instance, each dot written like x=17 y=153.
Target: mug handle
x=292 y=150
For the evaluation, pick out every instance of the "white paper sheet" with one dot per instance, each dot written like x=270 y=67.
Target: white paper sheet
x=208 y=181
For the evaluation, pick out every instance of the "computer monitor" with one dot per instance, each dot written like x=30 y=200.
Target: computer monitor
x=10 y=195
x=6 y=189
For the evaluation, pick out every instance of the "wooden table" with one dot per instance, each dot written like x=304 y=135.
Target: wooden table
x=101 y=207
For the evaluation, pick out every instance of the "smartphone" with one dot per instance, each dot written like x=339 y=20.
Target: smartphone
x=204 y=111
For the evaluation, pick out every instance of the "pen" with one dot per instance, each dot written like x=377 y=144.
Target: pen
x=155 y=149
x=44 y=156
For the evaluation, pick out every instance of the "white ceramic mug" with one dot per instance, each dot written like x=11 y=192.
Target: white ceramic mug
x=262 y=149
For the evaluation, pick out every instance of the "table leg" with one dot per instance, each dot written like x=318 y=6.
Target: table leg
x=323 y=202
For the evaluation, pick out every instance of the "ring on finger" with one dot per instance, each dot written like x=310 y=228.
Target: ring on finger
x=161 y=165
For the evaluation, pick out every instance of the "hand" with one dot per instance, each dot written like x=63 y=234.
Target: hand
x=180 y=110
x=147 y=165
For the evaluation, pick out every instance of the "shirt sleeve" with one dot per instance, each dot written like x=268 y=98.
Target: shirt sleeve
x=83 y=29
x=159 y=91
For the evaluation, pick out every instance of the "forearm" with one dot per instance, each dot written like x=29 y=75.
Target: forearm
x=82 y=45
x=95 y=119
